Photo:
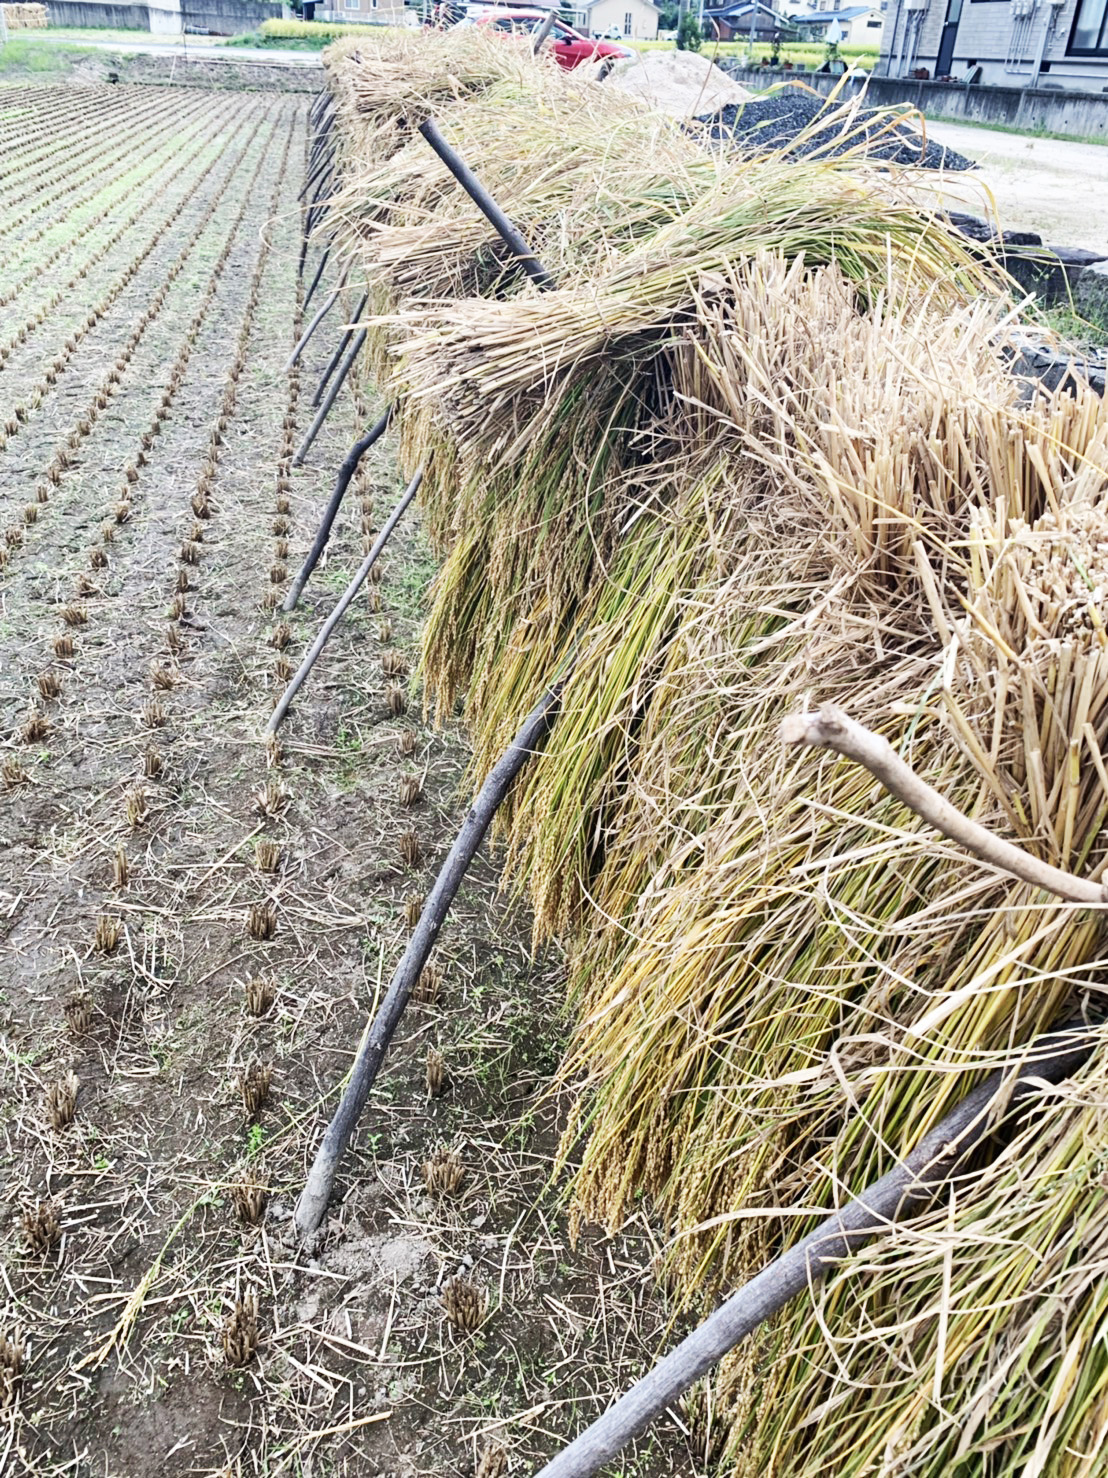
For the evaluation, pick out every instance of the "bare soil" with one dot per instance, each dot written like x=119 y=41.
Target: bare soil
x=1056 y=187
x=132 y=807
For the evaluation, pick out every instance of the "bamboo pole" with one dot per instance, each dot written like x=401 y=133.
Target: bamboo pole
x=342 y=482
x=905 y=1189
x=314 y=1198
x=284 y=702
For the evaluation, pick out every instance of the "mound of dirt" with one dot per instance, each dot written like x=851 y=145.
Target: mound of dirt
x=682 y=83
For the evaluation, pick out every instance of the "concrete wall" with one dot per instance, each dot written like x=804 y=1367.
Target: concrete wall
x=1072 y=114
x=229 y=17
x=95 y=13
x=1004 y=45
x=225 y=17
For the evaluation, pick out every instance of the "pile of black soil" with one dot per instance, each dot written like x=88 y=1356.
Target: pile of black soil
x=775 y=120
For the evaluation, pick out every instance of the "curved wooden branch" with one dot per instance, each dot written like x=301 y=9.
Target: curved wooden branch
x=342 y=482
x=831 y=728
x=904 y=1190
x=316 y=1194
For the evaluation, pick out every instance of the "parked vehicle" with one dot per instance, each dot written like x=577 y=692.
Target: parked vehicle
x=569 y=47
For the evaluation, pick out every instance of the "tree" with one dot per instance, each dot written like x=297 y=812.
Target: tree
x=688 y=33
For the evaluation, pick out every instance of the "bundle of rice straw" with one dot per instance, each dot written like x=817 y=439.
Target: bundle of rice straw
x=760 y=449
x=385 y=88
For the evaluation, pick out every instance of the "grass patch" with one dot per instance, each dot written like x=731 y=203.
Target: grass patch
x=799 y=53
x=23 y=55
x=304 y=35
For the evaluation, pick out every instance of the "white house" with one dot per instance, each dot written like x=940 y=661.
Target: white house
x=635 y=19
x=859 y=25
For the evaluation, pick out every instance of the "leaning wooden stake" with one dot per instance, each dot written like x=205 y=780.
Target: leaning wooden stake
x=319 y=163
x=506 y=229
x=543 y=32
x=321 y=313
x=898 y=1194
x=342 y=482
x=318 y=274
x=284 y=702
x=316 y=1194
x=831 y=728
x=339 y=352
x=321 y=415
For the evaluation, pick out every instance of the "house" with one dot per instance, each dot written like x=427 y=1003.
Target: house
x=859 y=25
x=1011 y=43
x=367 y=12
x=635 y=19
x=742 y=20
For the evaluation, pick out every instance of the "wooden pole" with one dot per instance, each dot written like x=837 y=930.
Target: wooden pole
x=321 y=415
x=337 y=614
x=473 y=187
x=321 y=313
x=314 y=1198
x=342 y=482
x=333 y=361
x=318 y=275
x=904 y=1190
x=543 y=32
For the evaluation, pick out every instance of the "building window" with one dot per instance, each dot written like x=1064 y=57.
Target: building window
x=351 y=4
x=627 y=23
x=1090 y=28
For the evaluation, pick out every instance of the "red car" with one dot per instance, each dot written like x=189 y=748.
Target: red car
x=570 y=48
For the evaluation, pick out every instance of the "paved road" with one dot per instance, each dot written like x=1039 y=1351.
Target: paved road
x=1057 y=187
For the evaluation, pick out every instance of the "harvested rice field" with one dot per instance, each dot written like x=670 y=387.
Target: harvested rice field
x=196 y=922
x=702 y=539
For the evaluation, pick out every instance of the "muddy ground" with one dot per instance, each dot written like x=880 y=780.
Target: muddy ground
x=149 y=520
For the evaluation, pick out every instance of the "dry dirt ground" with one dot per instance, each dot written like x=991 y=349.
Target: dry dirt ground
x=1057 y=187
x=186 y=912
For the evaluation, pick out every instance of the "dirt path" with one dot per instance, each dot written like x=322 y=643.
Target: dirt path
x=1056 y=187
x=185 y=910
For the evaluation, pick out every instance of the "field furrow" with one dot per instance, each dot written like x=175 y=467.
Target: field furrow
x=95 y=237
